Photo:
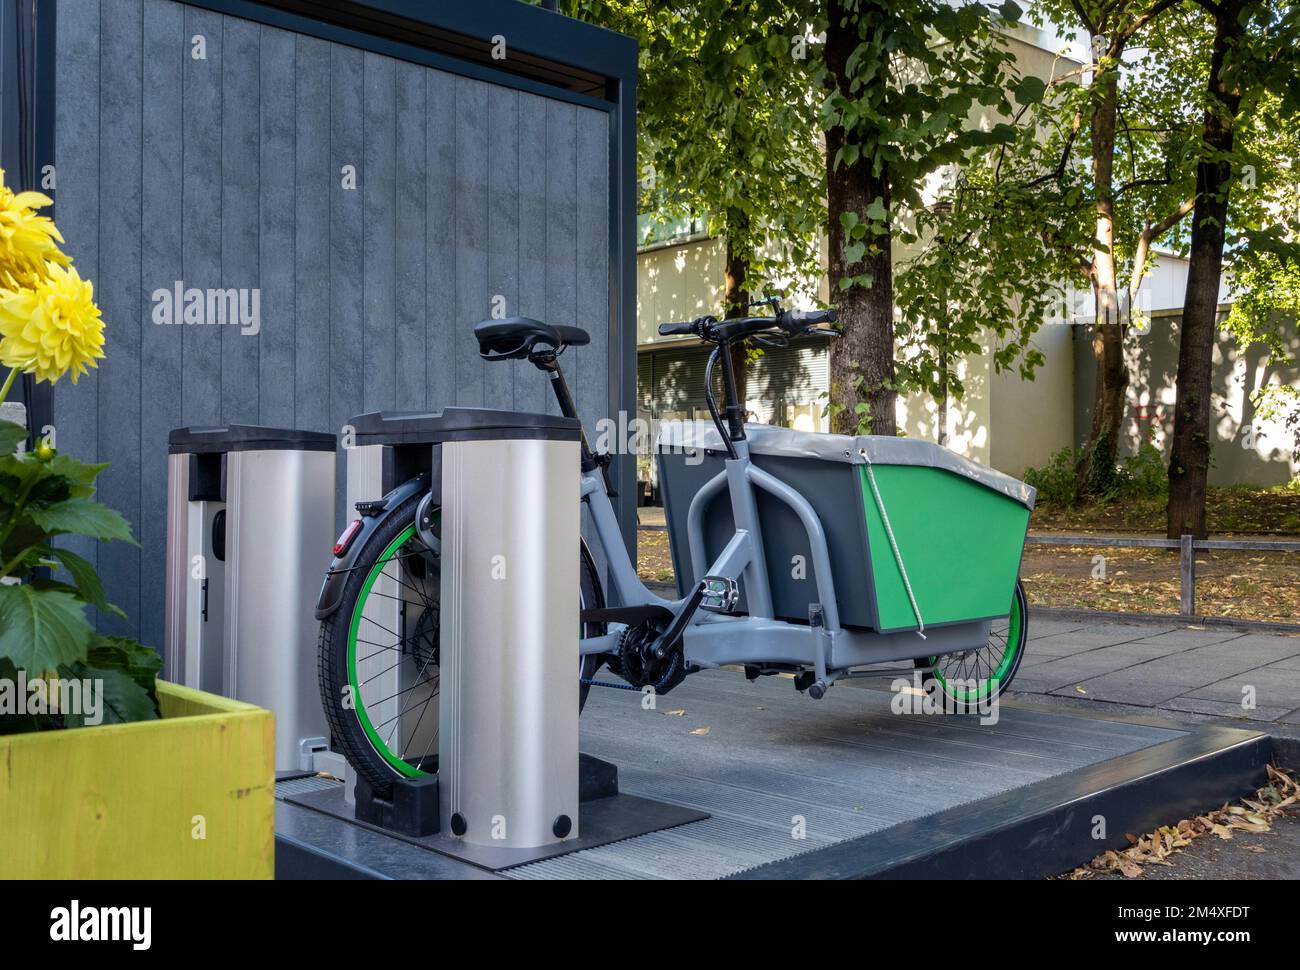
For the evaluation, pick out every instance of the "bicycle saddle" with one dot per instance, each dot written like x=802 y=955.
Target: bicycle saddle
x=517 y=337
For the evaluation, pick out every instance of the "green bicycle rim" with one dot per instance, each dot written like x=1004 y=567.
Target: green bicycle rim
x=382 y=749
x=1004 y=664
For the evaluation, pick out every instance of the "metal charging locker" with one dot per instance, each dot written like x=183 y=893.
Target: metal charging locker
x=508 y=487
x=250 y=523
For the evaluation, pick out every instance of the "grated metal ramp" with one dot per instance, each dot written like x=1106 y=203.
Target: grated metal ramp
x=302 y=786
x=873 y=793
x=845 y=765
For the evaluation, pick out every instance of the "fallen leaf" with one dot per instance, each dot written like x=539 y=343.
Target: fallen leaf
x=701 y=731
x=680 y=712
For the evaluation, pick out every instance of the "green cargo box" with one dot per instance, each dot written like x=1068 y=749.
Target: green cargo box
x=959 y=526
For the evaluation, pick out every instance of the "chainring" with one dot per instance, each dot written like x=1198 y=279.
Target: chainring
x=640 y=668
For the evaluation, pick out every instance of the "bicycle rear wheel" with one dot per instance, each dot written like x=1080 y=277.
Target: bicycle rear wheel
x=379 y=653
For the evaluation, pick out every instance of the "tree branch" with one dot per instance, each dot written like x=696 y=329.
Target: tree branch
x=1149 y=235
x=1142 y=19
x=1083 y=17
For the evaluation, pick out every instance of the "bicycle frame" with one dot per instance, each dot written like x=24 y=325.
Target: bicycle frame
x=757 y=637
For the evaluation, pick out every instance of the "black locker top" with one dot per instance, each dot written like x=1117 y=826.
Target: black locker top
x=459 y=424
x=246 y=437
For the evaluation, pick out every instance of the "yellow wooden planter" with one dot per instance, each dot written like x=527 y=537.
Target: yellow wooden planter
x=190 y=796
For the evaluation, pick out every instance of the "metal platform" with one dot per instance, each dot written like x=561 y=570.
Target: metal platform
x=843 y=788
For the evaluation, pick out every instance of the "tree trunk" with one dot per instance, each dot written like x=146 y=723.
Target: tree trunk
x=1096 y=470
x=1189 y=459
x=735 y=301
x=862 y=360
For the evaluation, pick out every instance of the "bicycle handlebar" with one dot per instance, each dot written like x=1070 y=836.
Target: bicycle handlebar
x=790 y=324
x=678 y=329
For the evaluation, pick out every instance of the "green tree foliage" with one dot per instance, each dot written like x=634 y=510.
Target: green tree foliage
x=1252 y=80
x=903 y=80
x=727 y=125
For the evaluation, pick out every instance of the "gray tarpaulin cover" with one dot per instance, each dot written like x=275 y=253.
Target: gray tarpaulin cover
x=766 y=439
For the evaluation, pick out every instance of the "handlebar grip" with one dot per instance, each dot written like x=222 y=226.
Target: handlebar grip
x=809 y=318
x=676 y=329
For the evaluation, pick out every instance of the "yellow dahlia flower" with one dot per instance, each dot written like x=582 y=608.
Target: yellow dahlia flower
x=52 y=327
x=27 y=241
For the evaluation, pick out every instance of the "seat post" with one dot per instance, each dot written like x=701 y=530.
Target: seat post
x=564 y=398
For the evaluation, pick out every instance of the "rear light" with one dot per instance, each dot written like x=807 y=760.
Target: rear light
x=346 y=538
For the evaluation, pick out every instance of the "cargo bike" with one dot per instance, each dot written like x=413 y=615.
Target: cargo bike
x=811 y=555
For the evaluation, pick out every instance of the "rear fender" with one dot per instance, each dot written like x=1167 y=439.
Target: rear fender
x=336 y=577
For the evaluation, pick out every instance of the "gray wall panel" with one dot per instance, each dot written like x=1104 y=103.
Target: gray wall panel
x=160 y=253
x=347 y=221
x=379 y=352
x=502 y=232
x=591 y=298
x=411 y=348
x=201 y=247
x=470 y=238
x=347 y=306
x=315 y=179
x=440 y=236
x=119 y=285
x=76 y=122
x=226 y=172
x=561 y=227
x=276 y=232
x=531 y=391
x=241 y=61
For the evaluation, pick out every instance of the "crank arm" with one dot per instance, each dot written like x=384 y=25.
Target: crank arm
x=679 y=623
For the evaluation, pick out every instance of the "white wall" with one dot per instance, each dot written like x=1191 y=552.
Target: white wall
x=675 y=284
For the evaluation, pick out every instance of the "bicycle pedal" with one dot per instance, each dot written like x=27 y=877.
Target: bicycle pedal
x=719 y=594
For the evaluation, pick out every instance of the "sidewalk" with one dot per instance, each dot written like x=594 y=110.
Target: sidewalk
x=1188 y=673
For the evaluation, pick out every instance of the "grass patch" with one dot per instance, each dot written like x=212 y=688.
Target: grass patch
x=1232 y=509
x=1232 y=585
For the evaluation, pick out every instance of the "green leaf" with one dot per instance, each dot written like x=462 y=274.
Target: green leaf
x=86 y=580
x=41 y=629
x=876 y=212
x=11 y=436
x=1010 y=10
x=121 y=699
x=1030 y=89
x=19 y=723
x=82 y=516
x=142 y=663
x=77 y=472
x=854 y=253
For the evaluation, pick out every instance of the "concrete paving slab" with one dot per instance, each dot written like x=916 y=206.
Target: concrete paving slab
x=1191 y=671
x=1225 y=708
x=1274 y=687
x=1103 y=636
x=1189 y=637
x=1048 y=628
